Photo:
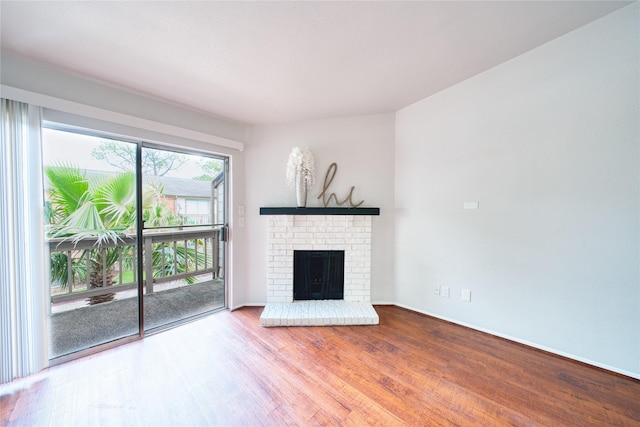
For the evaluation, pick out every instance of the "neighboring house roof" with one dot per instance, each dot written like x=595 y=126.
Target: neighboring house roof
x=182 y=187
x=178 y=187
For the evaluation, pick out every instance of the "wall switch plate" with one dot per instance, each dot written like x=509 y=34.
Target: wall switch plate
x=471 y=205
x=436 y=290
x=466 y=295
x=444 y=291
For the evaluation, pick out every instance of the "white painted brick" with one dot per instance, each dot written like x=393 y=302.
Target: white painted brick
x=283 y=247
x=297 y=229
x=280 y=265
x=278 y=253
x=338 y=245
x=296 y=241
x=358 y=264
x=303 y=235
x=357 y=292
x=331 y=229
x=351 y=234
x=362 y=234
x=280 y=241
x=282 y=293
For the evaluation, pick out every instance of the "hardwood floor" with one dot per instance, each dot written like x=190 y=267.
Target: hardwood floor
x=409 y=370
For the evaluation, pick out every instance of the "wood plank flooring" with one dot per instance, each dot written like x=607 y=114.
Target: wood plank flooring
x=410 y=370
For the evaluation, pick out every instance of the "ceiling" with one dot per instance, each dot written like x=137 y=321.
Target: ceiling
x=274 y=62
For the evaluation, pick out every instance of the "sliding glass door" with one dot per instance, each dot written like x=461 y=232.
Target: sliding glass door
x=182 y=236
x=91 y=213
x=135 y=234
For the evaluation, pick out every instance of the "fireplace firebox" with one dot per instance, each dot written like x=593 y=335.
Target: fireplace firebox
x=318 y=275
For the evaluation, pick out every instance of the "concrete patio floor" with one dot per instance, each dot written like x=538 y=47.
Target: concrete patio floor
x=88 y=326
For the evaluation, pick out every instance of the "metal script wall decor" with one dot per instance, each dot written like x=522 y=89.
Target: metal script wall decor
x=328 y=178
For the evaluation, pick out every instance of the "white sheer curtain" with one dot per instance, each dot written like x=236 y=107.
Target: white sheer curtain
x=23 y=266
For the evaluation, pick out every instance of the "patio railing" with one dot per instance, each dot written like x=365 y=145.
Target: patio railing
x=165 y=260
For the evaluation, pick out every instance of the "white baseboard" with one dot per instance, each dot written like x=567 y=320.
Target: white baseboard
x=527 y=343
x=249 y=304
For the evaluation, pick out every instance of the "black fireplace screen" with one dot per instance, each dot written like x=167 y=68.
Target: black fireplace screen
x=318 y=275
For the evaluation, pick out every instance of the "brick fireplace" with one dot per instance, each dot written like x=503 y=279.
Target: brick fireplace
x=319 y=229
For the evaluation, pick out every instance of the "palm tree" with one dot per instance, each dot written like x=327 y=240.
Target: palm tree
x=101 y=208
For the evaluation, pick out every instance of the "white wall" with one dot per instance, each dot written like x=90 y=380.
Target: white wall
x=363 y=149
x=548 y=143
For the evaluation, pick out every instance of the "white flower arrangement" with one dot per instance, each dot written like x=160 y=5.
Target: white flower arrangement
x=301 y=163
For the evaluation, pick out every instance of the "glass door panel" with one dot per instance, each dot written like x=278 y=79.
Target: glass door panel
x=90 y=206
x=183 y=214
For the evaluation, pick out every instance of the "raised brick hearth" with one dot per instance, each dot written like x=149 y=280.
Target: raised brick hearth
x=288 y=233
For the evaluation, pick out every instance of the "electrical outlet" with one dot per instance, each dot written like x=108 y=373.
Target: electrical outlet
x=444 y=291
x=466 y=295
x=436 y=290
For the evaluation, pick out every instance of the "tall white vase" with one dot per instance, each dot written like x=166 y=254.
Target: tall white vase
x=301 y=192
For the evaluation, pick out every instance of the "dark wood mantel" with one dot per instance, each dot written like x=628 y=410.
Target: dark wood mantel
x=318 y=211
